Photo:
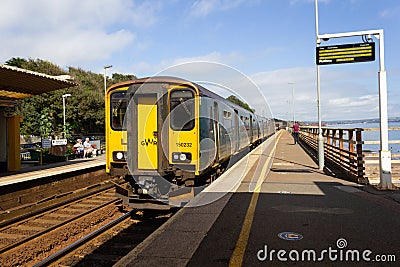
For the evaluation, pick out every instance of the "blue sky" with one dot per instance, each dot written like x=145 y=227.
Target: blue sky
x=272 y=42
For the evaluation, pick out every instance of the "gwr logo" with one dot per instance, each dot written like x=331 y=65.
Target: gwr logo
x=148 y=142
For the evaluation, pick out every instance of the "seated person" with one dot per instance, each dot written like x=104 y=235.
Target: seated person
x=87 y=148
x=78 y=148
x=94 y=150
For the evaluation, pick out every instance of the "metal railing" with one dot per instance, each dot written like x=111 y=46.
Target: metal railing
x=25 y=155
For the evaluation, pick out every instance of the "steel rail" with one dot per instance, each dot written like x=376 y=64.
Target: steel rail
x=26 y=216
x=24 y=240
x=83 y=240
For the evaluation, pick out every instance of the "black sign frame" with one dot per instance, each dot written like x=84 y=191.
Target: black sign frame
x=346 y=53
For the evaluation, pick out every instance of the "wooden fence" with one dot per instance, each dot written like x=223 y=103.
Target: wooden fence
x=343 y=150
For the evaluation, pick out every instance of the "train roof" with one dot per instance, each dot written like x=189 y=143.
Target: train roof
x=155 y=79
x=179 y=81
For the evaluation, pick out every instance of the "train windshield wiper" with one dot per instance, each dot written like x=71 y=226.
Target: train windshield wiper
x=184 y=106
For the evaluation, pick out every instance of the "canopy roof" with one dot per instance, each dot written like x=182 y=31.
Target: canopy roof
x=17 y=83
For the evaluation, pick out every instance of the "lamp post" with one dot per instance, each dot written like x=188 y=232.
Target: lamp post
x=293 y=105
x=287 y=114
x=63 y=98
x=105 y=78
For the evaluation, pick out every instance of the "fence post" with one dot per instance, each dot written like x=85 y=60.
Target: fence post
x=341 y=144
x=41 y=157
x=334 y=138
x=360 y=157
x=328 y=136
x=351 y=140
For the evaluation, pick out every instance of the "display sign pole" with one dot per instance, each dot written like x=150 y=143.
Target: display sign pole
x=321 y=162
x=385 y=165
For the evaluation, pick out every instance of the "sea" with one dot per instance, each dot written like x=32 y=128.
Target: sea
x=374 y=135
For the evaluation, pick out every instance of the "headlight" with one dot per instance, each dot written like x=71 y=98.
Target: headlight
x=178 y=157
x=118 y=156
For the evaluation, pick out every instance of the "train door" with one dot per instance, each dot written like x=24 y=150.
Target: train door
x=237 y=131
x=251 y=129
x=147 y=132
x=216 y=131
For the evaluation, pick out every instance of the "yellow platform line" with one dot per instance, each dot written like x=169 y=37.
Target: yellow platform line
x=240 y=248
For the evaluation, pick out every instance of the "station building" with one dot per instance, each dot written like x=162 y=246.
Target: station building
x=15 y=84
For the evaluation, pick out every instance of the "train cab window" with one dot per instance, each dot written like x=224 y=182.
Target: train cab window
x=118 y=110
x=182 y=110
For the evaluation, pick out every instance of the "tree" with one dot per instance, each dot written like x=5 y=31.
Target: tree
x=86 y=104
x=31 y=109
x=240 y=103
x=116 y=77
x=84 y=108
x=46 y=125
x=16 y=62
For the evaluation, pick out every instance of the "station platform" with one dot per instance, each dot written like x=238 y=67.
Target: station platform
x=48 y=170
x=274 y=207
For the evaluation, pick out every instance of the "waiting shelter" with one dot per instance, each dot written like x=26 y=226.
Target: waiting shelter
x=15 y=84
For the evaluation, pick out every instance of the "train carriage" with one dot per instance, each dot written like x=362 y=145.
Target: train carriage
x=178 y=134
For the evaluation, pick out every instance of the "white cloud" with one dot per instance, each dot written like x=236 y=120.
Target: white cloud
x=390 y=12
x=71 y=32
x=344 y=94
x=146 y=69
x=294 y=2
x=348 y=102
x=339 y=101
x=202 y=8
x=277 y=90
x=47 y=14
x=74 y=49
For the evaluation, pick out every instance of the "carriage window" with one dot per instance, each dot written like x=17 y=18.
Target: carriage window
x=227 y=114
x=118 y=110
x=182 y=110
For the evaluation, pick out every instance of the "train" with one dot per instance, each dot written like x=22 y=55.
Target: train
x=167 y=135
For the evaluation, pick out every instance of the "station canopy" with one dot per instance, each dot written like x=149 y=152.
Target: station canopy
x=17 y=83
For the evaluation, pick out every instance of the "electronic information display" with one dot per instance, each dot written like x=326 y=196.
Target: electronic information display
x=347 y=53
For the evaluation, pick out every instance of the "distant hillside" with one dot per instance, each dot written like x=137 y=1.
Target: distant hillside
x=375 y=120
x=336 y=122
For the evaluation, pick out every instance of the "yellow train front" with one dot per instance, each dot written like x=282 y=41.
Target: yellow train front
x=179 y=136
x=116 y=106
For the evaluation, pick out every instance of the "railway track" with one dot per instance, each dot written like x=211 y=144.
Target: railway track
x=48 y=202
x=106 y=245
x=23 y=241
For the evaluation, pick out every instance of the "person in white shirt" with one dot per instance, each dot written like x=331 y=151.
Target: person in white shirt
x=87 y=148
